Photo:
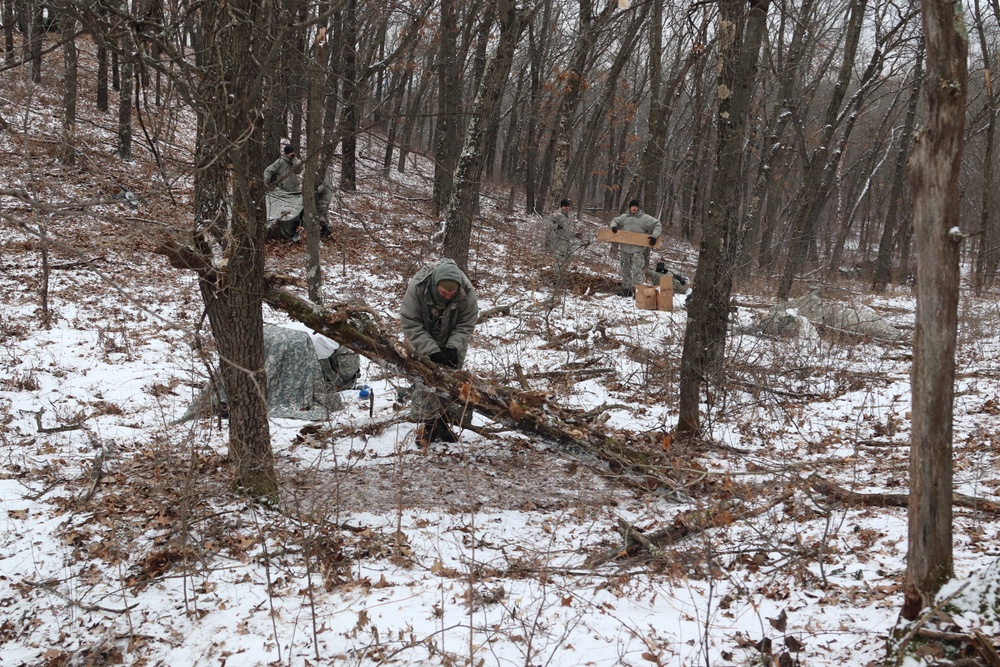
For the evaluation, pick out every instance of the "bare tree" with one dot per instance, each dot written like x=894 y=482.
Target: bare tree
x=125 y=93
x=70 y=67
x=821 y=164
x=351 y=86
x=573 y=84
x=316 y=60
x=741 y=30
x=891 y=227
x=483 y=120
x=934 y=171
x=988 y=241
x=448 y=130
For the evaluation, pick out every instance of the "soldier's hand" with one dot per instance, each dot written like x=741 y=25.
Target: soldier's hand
x=614 y=230
x=451 y=357
x=652 y=240
x=439 y=358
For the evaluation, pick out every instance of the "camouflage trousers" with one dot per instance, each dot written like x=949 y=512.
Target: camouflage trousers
x=425 y=405
x=633 y=267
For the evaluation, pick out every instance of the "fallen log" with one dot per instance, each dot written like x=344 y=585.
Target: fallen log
x=895 y=499
x=684 y=524
x=358 y=330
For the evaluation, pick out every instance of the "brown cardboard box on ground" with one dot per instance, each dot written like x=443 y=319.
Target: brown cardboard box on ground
x=645 y=297
x=665 y=299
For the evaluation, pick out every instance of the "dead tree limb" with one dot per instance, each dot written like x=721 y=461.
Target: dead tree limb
x=519 y=410
x=685 y=524
x=895 y=499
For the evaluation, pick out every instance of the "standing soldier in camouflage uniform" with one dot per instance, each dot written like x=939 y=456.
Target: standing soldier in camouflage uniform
x=559 y=235
x=324 y=197
x=437 y=315
x=634 y=259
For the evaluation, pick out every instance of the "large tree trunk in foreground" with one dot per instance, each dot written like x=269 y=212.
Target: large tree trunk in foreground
x=934 y=171
x=228 y=208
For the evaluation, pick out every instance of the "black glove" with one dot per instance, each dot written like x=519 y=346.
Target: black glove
x=439 y=358
x=652 y=240
x=614 y=230
x=451 y=357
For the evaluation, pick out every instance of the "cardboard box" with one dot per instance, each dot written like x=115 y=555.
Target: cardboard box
x=665 y=299
x=645 y=297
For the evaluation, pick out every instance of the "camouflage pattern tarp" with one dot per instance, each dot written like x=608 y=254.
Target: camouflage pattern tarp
x=845 y=317
x=283 y=205
x=297 y=386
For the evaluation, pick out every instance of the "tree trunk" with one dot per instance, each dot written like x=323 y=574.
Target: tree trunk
x=8 y=32
x=573 y=85
x=228 y=207
x=33 y=43
x=70 y=61
x=934 y=172
x=485 y=112
x=890 y=238
x=741 y=31
x=125 y=96
x=449 y=104
x=651 y=162
x=311 y=177
x=352 y=99
x=988 y=242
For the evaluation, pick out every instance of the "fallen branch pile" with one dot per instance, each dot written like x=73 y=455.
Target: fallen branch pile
x=521 y=410
x=685 y=523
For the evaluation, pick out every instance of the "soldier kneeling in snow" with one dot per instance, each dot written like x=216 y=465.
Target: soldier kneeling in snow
x=437 y=315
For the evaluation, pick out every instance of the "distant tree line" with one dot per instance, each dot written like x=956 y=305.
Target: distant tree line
x=602 y=102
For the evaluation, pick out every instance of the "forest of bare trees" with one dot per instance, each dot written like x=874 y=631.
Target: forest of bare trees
x=773 y=134
x=600 y=102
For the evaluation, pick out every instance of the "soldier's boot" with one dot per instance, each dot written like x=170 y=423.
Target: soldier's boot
x=441 y=432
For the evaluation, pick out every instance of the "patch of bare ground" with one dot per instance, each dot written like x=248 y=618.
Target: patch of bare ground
x=507 y=475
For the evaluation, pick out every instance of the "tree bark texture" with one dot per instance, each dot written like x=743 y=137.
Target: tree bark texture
x=483 y=120
x=449 y=88
x=741 y=31
x=229 y=195
x=934 y=172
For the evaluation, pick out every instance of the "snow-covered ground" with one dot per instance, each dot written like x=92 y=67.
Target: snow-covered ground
x=477 y=553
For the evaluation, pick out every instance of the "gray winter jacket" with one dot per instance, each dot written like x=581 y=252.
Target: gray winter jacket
x=431 y=324
x=639 y=222
x=284 y=174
